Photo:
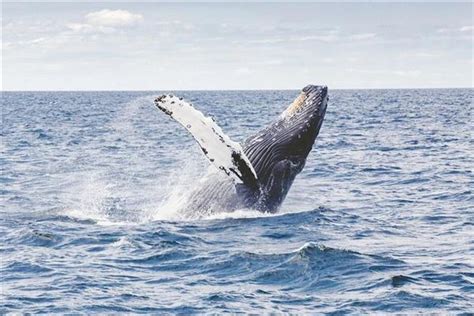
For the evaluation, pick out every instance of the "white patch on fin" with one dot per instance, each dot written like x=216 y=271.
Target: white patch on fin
x=225 y=154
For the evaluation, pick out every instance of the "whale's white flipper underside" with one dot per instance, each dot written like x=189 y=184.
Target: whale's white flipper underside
x=223 y=153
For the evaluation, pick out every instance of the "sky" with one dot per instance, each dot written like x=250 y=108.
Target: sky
x=215 y=46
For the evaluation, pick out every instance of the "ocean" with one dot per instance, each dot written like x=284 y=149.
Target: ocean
x=380 y=220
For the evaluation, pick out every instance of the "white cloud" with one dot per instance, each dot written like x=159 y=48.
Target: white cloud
x=330 y=37
x=363 y=36
x=262 y=41
x=352 y=59
x=466 y=28
x=328 y=60
x=105 y=21
x=385 y=72
x=428 y=55
x=38 y=40
x=322 y=38
x=113 y=18
x=407 y=73
x=87 y=28
x=243 y=71
x=80 y=27
x=271 y=62
x=420 y=55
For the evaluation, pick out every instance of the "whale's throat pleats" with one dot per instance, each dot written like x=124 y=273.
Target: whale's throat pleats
x=292 y=135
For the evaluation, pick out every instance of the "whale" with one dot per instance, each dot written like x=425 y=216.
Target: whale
x=258 y=173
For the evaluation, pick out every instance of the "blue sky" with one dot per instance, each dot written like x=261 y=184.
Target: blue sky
x=164 y=46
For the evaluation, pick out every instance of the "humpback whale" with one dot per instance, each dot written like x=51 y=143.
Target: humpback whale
x=258 y=173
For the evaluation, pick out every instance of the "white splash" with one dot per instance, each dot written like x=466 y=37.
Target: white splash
x=115 y=192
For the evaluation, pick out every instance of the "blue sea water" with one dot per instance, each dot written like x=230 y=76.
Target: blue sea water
x=381 y=219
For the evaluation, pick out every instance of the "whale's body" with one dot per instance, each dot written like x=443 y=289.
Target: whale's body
x=259 y=173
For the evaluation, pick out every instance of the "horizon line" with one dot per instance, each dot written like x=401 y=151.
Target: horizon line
x=185 y=90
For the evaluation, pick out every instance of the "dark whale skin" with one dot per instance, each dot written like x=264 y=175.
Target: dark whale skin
x=277 y=153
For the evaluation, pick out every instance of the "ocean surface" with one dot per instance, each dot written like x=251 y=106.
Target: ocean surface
x=381 y=219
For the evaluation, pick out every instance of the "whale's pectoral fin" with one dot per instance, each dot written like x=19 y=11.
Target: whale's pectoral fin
x=223 y=153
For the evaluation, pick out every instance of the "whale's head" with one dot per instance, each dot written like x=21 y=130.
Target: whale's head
x=278 y=153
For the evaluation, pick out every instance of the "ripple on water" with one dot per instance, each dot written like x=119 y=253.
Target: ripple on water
x=379 y=221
